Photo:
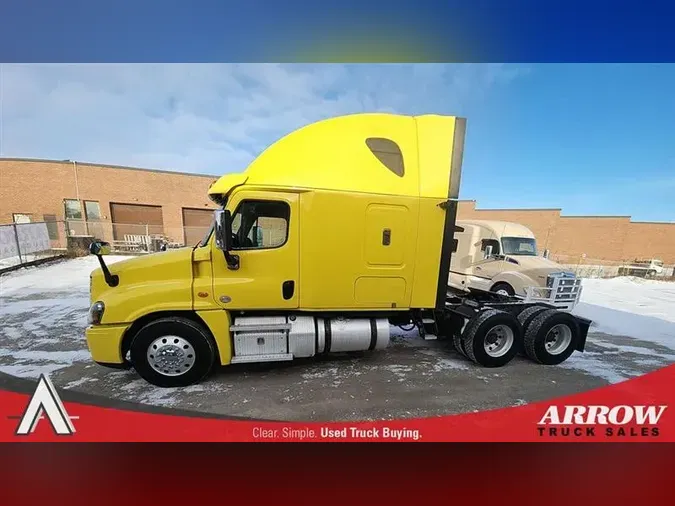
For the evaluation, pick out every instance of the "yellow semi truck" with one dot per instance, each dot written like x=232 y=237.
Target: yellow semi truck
x=334 y=233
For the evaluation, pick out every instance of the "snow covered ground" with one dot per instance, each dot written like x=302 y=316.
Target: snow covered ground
x=633 y=319
x=43 y=312
x=634 y=307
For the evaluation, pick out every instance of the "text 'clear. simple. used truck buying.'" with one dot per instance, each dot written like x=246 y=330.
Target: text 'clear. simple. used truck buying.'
x=335 y=232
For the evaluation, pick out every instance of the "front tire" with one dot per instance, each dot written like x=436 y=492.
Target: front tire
x=503 y=289
x=491 y=338
x=173 y=352
x=551 y=337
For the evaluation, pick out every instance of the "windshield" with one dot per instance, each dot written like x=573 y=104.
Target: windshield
x=519 y=246
x=206 y=238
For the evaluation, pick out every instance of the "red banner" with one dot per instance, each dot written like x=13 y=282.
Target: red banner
x=637 y=410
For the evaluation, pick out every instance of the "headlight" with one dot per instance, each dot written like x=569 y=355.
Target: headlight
x=96 y=313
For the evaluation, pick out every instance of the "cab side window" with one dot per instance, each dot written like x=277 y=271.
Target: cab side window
x=490 y=242
x=260 y=224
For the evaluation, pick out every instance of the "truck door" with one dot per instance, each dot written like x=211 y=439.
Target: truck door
x=488 y=266
x=265 y=237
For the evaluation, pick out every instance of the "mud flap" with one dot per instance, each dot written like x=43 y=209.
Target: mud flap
x=584 y=325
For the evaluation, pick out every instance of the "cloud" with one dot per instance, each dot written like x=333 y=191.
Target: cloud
x=212 y=118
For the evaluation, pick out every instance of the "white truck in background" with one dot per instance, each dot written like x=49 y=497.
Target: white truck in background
x=502 y=257
x=646 y=268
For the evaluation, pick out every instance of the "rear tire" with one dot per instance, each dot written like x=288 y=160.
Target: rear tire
x=458 y=343
x=526 y=316
x=551 y=337
x=173 y=352
x=491 y=338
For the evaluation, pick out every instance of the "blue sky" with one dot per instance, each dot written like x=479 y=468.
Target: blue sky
x=590 y=139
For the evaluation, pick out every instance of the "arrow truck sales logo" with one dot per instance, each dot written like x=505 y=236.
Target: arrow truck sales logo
x=599 y=420
x=46 y=401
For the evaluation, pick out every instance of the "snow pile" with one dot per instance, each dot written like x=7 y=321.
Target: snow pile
x=632 y=307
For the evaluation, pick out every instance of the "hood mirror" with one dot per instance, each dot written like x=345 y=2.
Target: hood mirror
x=100 y=248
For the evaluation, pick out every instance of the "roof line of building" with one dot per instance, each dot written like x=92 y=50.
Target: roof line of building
x=630 y=218
x=653 y=222
x=596 y=216
x=125 y=167
x=571 y=216
x=523 y=209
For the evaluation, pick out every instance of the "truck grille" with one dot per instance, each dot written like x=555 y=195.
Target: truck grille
x=564 y=288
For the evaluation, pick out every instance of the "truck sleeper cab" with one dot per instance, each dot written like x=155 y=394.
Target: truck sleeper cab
x=335 y=232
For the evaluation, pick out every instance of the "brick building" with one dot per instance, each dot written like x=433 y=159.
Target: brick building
x=112 y=202
x=569 y=238
x=104 y=200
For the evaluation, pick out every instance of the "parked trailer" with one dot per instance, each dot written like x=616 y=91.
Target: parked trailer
x=333 y=234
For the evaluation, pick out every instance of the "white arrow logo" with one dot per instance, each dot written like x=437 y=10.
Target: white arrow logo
x=46 y=400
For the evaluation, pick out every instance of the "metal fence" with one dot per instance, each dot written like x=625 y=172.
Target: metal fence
x=29 y=243
x=136 y=237
x=586 y=267
x=25 y=243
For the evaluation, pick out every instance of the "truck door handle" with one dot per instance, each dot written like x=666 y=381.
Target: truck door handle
x=386 y=237
x=287 y=289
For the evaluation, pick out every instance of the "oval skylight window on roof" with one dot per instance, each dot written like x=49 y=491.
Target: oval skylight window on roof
x=387 y=152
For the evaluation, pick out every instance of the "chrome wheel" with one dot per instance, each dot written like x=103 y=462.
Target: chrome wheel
x=171 y=355
x=502 y=292
x=558 y=339
x=498 y=340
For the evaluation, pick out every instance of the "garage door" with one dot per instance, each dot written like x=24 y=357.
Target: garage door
x=136 y=219
x=196 y=223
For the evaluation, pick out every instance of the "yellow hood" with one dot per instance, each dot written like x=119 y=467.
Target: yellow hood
x=161 y=280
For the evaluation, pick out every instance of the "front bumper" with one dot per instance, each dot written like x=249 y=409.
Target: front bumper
x=105 y=344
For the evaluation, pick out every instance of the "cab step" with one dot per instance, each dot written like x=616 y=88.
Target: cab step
x=276 y=357
x=274 y=327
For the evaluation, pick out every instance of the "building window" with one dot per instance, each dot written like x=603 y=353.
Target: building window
x=92 y=210
x=52 y=226
x=73 y=209
x=260 y=224
x=21 y=218
x=387 y=152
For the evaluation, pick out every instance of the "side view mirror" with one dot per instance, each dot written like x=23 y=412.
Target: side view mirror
x=488 y=252
x=223 y=232
x=99 y=248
